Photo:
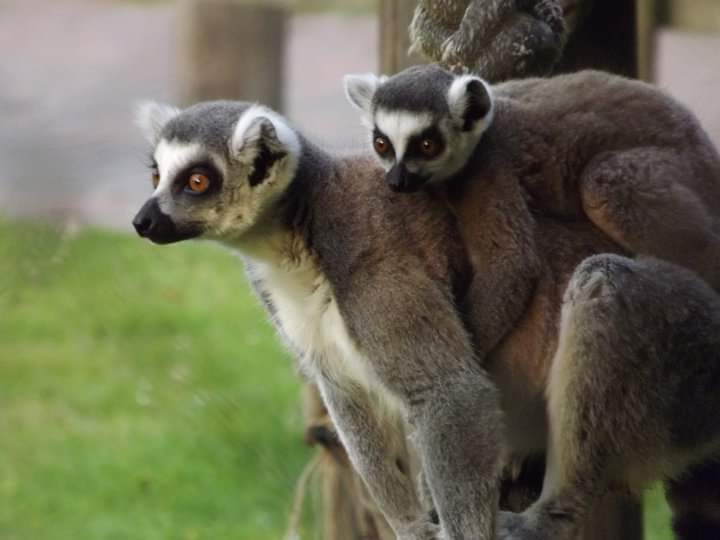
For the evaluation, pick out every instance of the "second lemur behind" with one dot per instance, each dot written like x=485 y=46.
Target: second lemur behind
x=588 y=145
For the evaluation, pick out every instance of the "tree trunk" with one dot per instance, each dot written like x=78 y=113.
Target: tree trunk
x=232 y=50
x=605 y=38
x=395 y=17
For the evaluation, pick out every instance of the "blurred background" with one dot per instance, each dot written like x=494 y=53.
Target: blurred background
x=142 y=393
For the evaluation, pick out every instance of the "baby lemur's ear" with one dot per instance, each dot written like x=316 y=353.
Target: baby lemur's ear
x=360 y=89
x=260 y=139
x=152 y=117
x=471 y=103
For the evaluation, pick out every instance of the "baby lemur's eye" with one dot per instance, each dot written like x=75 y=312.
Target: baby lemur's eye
x=155 y=177
x=429 y=148
x=382 y=145
x=197 y=183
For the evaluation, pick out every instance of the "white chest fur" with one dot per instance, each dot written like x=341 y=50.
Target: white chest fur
x=307 y=315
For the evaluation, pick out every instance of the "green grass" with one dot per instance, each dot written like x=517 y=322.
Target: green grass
x=143 y=395
x=657 y=516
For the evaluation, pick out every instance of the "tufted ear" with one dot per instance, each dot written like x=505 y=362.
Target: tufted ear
x=360 y=89
x=470 y=102
x=260 y=139
x=152 y=118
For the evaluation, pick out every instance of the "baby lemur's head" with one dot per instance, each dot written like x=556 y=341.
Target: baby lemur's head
x=425 y=121
x=216 y=169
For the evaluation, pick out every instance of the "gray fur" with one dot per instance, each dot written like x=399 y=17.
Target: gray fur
x=211 y=124
x=595 y=146
x=152 y=117
x=434 y=82
x=451 y=301
x=359 y=89
x=635 y=384
x=460 y=115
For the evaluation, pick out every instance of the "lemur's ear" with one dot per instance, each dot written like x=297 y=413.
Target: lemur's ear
x=471 y=103
x=360 y=89
x=152 y=117
x=260 y=139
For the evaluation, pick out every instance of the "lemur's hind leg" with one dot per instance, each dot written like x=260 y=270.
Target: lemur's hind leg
x=637 y=369
x=644 y=199
x=581 y=402
x=695 y=502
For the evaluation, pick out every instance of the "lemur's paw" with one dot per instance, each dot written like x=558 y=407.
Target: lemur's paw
x=551 y=13
x=534 y=526
x=511 y=526
x=454 y=53
x=422 y=531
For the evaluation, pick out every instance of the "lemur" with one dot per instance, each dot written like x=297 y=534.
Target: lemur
x=502 y=39
x=403 y=314
x=585 y=146
x=513 y=39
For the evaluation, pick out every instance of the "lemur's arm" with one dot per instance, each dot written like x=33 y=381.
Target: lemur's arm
x=421 y=352
x=377 y=450
x=498 y=39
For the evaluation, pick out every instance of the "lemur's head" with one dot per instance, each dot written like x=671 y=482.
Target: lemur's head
x=216 y=168
x=425 y=121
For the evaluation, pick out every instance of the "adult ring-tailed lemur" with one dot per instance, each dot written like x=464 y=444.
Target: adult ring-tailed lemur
x=401 y=311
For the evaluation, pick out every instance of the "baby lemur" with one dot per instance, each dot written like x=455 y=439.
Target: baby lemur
x=585 y=146
x=403 y=313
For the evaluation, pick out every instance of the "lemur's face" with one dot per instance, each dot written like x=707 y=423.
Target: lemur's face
x=425 y=122
x=215 y=168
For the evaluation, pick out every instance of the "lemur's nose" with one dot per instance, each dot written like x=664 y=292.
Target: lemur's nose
x=149 y=219
x=142 y=224
x=403 y=181
x=158 y=227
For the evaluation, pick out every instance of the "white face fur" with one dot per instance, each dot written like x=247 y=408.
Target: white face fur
x=216 y=190
x=428 y=145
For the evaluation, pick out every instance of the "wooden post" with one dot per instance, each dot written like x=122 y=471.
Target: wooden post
x=615 y=518
x=232 y=50
x=647 y=17
x=605 y=38
x=694 y=15
x=395 y=17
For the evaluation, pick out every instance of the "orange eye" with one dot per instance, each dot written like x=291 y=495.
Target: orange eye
x=155 y=178
x=429 y=148
x=198 y=183
x=382 y=146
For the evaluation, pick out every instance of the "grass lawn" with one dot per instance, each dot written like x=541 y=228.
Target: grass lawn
x=143 y=395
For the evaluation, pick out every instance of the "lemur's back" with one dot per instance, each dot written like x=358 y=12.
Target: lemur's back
x=387 y=229
x=564 y=122
x=521 y=264
x=630 y=110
